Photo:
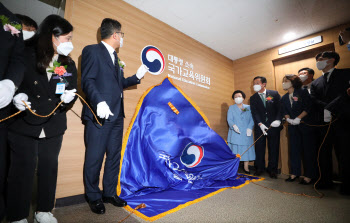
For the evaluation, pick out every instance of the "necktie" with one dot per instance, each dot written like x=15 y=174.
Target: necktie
x=116 y=64
x=262 y=96
x=326 y=76
x=115 y=59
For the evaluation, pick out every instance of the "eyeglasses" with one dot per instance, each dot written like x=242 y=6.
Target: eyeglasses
x=121 y=33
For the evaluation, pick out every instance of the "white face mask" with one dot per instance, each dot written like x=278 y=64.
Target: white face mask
x=303 y=78
x=64 y=48
x=238 y=100
x=286 y=85
x=257 y=87
x=121 y=42
x=321 y=64
x=28 y=34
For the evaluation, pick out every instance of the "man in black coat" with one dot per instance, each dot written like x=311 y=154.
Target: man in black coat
x=266 y=111
x=11 y=75
x=329 y=94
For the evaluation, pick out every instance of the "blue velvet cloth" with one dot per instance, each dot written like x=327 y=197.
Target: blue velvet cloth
x=170 y=159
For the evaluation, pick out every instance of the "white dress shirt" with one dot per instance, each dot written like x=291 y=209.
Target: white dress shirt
x=264 y=93
x=110 y=51
x=291 y=99
x=330 y=71
x=49 y=74
x=308 y=87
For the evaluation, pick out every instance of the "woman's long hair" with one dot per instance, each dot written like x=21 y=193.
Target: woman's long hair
x=42 y=40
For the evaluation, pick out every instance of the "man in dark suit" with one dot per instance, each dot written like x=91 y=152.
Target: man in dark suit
x=11 y=75
x=266 y=111
x=329 y=94
x=306 y=75
x=314 y=138
x=103 y=82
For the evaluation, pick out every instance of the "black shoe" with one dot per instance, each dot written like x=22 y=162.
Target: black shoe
x=258 y=173
x=97 y=206
x=292 y=180
x=273 y=175
x=115 y=200
x=246 y=172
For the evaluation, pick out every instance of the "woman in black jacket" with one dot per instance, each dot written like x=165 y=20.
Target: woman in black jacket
x=296 y=106
x=50 y=77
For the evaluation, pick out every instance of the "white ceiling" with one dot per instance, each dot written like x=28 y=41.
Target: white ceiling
x=238 y=28
x=38 y=10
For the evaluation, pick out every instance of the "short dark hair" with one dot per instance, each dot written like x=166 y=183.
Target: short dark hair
x=263 y=79
x=236 y=92
x=329 y=55
x=27 y=21
x=296 y=81
x=108 y=27
x=309 y=70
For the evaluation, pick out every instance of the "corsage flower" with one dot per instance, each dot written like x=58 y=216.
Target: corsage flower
x=58 y=69
x=13 y=27
x=244 y=109
x=121 y=64
x=295 y=98
x=269 y=98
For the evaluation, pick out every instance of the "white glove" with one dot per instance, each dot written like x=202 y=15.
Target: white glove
x=18 y=101
x=263 y=129
x=276 y=123
x=68 y=96
x=103 y=110
x=296 y=121
x=327 y=116
x=290 y=121
x=7 y=90
x=236 y=129
x=249 y=132
x=141 y=71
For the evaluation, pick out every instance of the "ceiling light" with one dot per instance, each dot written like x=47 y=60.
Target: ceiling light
x=289 y=36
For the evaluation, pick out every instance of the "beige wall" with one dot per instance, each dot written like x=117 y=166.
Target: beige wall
x=265 y=64
x=140 y=30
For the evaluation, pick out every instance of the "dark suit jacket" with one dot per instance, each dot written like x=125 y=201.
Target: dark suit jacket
x=301 y=102
x=41 y=94
x=272 y=111
x=11 y=55
x=102 y=81
x=332 y=95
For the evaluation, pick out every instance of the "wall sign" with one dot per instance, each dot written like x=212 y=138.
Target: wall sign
x=184 y=72
x=153 y=58
x=299 y=45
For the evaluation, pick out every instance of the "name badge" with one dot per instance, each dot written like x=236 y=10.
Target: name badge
x=60 y=87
